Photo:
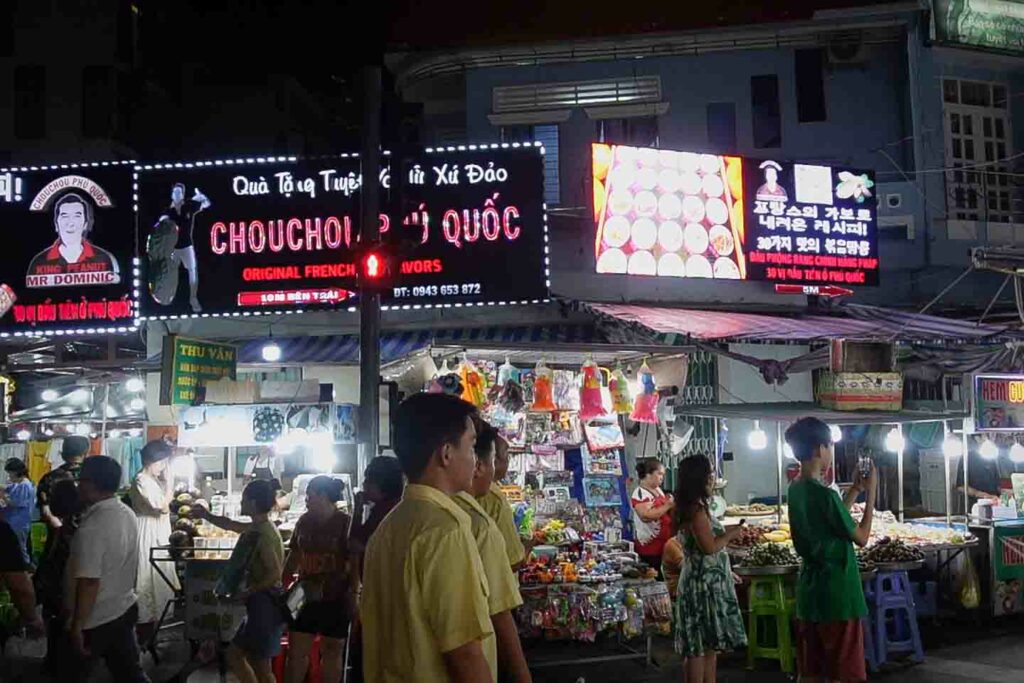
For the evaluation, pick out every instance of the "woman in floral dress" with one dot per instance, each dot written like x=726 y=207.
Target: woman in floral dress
x=708 y=613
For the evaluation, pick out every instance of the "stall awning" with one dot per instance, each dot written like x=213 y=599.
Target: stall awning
x=850 y=321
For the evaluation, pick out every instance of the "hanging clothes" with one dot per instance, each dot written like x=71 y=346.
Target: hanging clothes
x=127 y=451
x=38 y=462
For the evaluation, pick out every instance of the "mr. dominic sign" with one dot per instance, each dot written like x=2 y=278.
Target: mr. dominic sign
x=67 y=262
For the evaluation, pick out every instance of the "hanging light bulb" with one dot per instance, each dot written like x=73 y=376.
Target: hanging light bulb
x=50 y=395
x=82 y=429
x=757 y=439
x=23 y=435
x=48 y=432
x=988 y=449
x=138 y=404
x=952 y=447
x=894 y=441
x=134 y=385
x=271 y=352
x=837 y=433
x=1017 y=453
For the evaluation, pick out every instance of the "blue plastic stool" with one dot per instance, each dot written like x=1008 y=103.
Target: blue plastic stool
x=890 y=594
x=870 y=651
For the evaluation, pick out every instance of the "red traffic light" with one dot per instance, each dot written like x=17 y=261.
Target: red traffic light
x=372 y=266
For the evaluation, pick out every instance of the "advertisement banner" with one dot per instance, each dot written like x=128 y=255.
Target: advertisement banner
x=999 y=403
x=188 y=363
x=280 y=424
x=987 y=24
x=1008 y=568
x=271 y=235
x=680 y=214
x=69 y=268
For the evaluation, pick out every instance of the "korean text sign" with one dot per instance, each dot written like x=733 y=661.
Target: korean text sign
x=228 y=237
x=68 y=263
x=687 y=215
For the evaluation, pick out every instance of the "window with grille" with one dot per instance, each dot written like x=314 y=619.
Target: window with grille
x=981 y=184
x=568 y=94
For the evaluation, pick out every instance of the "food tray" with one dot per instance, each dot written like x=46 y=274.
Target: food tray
x=899 y=566
x=772 y=570
x=750 y=514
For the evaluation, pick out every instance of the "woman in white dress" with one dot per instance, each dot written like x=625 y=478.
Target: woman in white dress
x=151 y=497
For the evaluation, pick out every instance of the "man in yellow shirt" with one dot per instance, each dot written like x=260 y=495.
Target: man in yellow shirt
x=504 y=587
x=496 y=505
x=424 y=609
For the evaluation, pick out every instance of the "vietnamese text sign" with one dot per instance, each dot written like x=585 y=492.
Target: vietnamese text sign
x=68 y=263
x=990 y=24
x=999 y=403
x=248 y=236
x=681 y=214
x=189 y=363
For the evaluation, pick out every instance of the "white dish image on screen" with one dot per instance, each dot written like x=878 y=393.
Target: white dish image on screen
x=647 y=178
x=693 y=209
x=644 y=233
x=726 y=269
x=671 y=265
x=647 y=156
x=669 y=206
x=612 y=261
x=620 y=202
x=716 y=211
x=698 y=266
x=689 y=182
x=712 y=186
x=688 y=161
x=670 y=236
x=721 y=240
x=709 y=163
x=668 y=158
x=625 y=154
x=645 y=203
x=642 y=263
x=622 y=177
x=695 y=238
x=669 y=180
x=616 y=231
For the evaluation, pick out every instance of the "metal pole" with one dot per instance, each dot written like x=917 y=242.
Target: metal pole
x=369 y=302
x=899 y=473
x=778 y=460
x=103 y=424
x=946 y=433
x=963 y=456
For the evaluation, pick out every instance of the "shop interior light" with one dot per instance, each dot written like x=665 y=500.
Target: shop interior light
x=50 y=395
x=1017 y=453
x=23 y=435
x=271 y=352
x=787 y=451
x=952 y=447
x=894 y=441
x=82 y=429
x=138 y=404
x=988 y=449
x=134 y=385
x=757 y=439
x=837 y=433
x=48 y=432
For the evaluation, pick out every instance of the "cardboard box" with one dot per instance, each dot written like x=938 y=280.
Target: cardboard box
x=860 y=391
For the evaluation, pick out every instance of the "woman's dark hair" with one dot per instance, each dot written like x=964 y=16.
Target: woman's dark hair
x=261 y=493
x=691 y=487
x=16 y=466
x=386 y=473
x=486 y=439
x=63 y=498
x=330 y=488
x=155 y=451
x=647 y=466
x=424 y=423
x=806 y=435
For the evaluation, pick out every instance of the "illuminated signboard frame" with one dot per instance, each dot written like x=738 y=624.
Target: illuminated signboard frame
x=1003 y=414
x=540 y=241
x=698 y=216
x=123 y=253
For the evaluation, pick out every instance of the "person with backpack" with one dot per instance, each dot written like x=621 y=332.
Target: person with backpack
x=652 y=512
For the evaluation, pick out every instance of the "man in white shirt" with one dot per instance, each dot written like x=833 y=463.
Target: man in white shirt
x=102 y=571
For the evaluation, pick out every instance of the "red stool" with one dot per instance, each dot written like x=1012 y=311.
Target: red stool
x=312 y=673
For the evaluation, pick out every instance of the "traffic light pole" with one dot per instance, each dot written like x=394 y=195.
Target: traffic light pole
x=369 y=300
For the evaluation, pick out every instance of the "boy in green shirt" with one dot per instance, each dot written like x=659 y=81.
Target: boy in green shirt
x=829 y=597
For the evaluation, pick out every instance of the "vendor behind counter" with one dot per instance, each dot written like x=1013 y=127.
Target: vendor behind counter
x=983 y=479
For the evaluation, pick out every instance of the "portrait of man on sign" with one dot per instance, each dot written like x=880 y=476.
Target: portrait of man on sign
x=72 y=260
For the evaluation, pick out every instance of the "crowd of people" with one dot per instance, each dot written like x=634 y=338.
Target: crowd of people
x=419 y=581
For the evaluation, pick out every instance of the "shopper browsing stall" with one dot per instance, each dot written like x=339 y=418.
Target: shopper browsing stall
x=653 y=519
x=319 y=555
x=383 y=483
x=16 y=499
x=15 y=579
x=503 y=588
x=708 y=617
x=150 y=496
x=61 y=659
x=432 y=624
x=829 y=596
x=258 y=639
x=73 y=452
x=496 y=505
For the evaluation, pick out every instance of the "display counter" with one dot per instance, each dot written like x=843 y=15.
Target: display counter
x=1000 y=564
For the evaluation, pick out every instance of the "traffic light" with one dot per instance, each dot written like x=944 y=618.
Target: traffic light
x=375 y=267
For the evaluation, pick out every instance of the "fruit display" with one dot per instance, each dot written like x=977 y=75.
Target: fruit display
x=752 y=510
x=749 y=536
x=771 y=555
x=891 y=550
x=918 y=534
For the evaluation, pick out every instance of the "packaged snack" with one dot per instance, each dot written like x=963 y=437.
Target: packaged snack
x=618 y=385
x=645 y=407
x=591 y=405
x=543 y=398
